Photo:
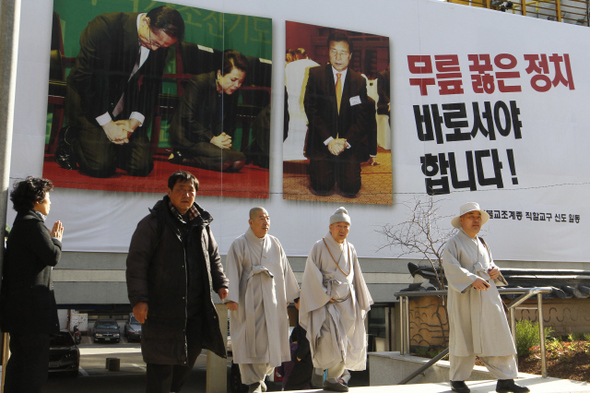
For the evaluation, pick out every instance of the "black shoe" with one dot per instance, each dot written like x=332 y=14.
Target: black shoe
x=508 y=386
x=64 y=153
x=459 y=387
x=335 y=386
x=175 y=157
x=255 y=388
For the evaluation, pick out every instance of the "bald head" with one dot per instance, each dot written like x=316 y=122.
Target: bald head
x=259 y=221
x=255 y=210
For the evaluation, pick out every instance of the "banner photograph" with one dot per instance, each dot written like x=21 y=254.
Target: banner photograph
x=137 y=92
x=437 y=102
x=337 y=110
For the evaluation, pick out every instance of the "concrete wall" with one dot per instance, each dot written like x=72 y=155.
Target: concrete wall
x=564 y=316
x=99 y=278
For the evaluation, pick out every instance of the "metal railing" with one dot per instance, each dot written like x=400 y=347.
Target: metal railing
x=525 y=293
x=575 y=12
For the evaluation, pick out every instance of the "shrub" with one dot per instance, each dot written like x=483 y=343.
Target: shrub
x=527 y=336
x=578 y=337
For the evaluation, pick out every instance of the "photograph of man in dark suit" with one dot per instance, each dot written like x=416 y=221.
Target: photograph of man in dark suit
x=112 y=90
x=341 y=122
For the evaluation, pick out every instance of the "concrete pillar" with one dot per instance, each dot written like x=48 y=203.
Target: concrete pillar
x=10 y=22
x=216 y=366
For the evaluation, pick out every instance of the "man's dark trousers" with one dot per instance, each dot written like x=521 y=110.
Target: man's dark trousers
x=164 y=378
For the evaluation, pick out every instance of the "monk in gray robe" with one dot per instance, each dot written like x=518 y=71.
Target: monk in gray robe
x=478 y=324
x=261 y=286
x=335 y=301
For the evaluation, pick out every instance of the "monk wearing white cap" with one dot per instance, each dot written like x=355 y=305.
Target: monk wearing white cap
x=478 y=325
x=334 y=303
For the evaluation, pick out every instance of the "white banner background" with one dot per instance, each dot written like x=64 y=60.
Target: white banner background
x=552 y=176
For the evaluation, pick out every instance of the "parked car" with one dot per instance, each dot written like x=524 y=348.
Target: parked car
x=64 y=355
x=132 y=329
x=106 y=330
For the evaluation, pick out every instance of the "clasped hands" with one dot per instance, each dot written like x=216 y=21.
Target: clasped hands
x=222 y=141
x=337 y=146
x=119 y=132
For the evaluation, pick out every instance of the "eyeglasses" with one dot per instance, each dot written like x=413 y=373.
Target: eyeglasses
x=152 y=44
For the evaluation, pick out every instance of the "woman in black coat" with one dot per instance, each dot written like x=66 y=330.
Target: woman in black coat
x=29 y=312
x=205 y=122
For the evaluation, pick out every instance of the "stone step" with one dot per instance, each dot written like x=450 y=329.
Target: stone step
x=535 y=383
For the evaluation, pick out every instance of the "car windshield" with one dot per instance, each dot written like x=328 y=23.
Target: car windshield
x=61 y=339
x=134 y=321
x=107 y=325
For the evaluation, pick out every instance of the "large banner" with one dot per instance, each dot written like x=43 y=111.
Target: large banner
x=483 y=106
x=337 y=143
x=200 y=95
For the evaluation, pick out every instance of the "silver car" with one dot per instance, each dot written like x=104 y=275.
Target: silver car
x=132 y=329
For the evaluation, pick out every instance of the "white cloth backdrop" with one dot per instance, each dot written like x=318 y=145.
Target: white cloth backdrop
x=548 y=159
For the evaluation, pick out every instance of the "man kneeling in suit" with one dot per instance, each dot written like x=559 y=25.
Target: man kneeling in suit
x=342 y=129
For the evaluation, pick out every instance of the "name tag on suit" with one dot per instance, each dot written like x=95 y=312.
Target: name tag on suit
x=356 y=100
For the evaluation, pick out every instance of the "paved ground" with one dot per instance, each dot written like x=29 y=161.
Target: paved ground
x=535 y=383
x=95 y=378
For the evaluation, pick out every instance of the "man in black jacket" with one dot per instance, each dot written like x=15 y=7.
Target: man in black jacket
x=172 y=246
x=113 y=87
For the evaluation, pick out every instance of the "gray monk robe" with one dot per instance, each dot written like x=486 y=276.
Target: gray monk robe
x=477 y=320
x=335 y=330
x=261 y=282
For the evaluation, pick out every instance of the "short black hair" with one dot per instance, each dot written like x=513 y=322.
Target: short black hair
x=168 y=20
x=338 y=36
x=29 y=191
x=234 y=59
x=182 y=176
x=301 y=51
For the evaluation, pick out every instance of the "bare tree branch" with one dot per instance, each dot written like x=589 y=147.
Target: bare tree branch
x=420 y=234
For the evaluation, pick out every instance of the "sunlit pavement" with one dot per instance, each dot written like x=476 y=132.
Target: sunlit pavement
x=94 y=377
x=535 y=383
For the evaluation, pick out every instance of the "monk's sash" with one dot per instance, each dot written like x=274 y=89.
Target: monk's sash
x=268 y=296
